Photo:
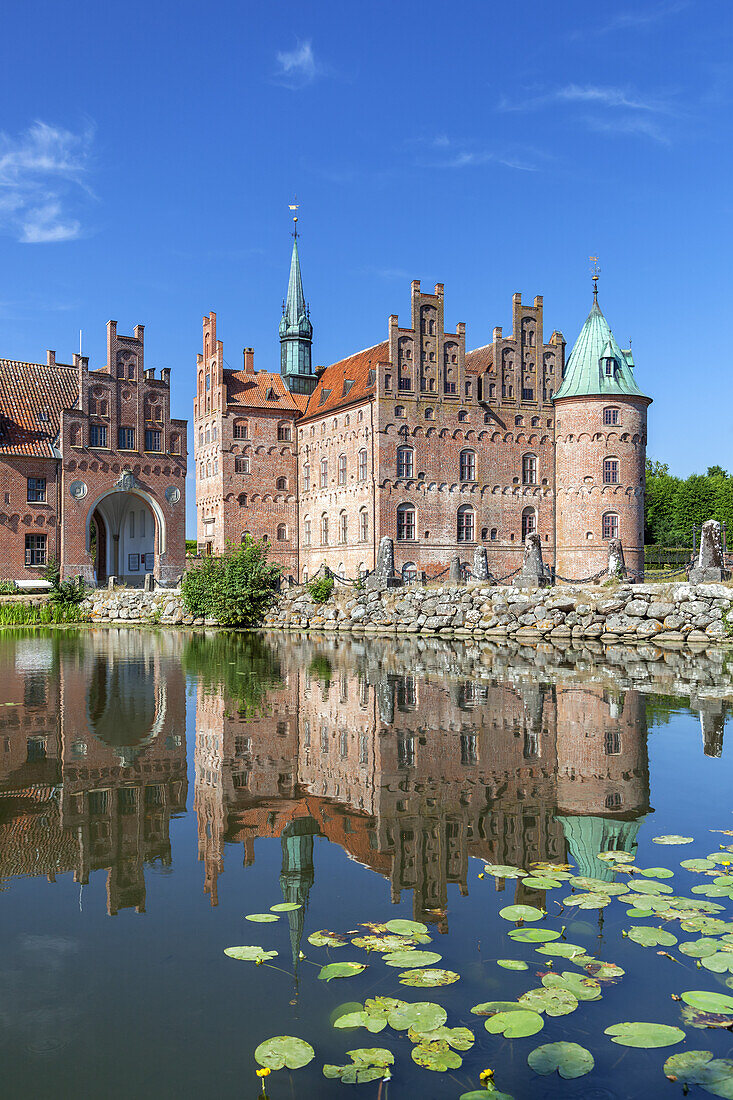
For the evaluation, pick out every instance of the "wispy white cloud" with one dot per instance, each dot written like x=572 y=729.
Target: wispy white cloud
x=297 y=67
x=443 y=152
x=43 y=173
x=634 y=20
x=614 y=109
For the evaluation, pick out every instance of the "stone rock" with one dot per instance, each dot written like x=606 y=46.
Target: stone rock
x=710 y=565
x=480 y=568
x=532 y=574
x=616 y=563
x=383 y=575
x=659 y=610
x=637 y=608
x=455 y=575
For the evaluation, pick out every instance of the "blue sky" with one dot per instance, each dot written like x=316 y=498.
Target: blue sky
x=148 y=152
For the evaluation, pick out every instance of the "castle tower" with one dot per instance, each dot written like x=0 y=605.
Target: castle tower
x=600 y=453
x=296 y=331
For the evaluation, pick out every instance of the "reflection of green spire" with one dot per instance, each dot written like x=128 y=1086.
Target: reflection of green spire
x=587 y=836
x=297 y=875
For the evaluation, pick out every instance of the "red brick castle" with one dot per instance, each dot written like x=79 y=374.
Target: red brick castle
x=440 y=448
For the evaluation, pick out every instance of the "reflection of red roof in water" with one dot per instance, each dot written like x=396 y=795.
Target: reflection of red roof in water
x=342 y=825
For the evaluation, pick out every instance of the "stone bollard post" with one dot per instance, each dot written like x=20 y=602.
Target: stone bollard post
x=480 y=564
x=454 y=570
x=616 y=563
x=149 y=582
x=710 y=565
x=532 y=574
x=383 y=575
x=111 y=582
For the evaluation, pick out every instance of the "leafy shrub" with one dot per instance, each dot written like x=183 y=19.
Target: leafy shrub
x=68 y=593
x=8 y=588
x=321 y=588
x=236 y=589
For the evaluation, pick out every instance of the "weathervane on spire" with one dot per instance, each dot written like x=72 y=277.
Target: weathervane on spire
x=295 y=205
x=595 y=271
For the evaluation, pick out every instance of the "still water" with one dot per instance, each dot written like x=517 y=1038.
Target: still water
x=156 y=787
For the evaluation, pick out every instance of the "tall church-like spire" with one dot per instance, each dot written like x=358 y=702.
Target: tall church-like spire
x=296 y=331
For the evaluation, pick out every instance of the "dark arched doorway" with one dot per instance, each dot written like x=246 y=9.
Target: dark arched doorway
x=98 y=547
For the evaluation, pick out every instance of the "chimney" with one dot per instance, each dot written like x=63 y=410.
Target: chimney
x=415 y=286
x=439 y=290
x=497 y=333
x=139 y=330
x=165 y=375
x=320 y=371
x=149 y=372
x=249 y=360
x=51 y=358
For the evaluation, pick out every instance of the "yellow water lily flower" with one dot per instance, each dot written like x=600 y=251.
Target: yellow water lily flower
x=264 y=1072
x=486 y=1075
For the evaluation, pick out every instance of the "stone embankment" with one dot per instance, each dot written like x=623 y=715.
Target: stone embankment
x=162 y=607
x=673 y=614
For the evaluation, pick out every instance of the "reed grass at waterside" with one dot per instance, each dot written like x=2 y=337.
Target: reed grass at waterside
x=44 y=614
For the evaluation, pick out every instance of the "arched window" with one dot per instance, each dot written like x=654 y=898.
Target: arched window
x=363 y=525
x=241 y=429
x=175 y=443
x=246 y=535
x=241 y=465
x=324 y=530
x=343 y=528
x=284 y=433
x=307 y=531
x=518 y=421
x=307 y=477
x=494 y=534
x=201 y=383
x=406 y=522
x=610 y=471
x=529 y=469
x=281 y=483
x=342 y=469
x=405 y=457
x=242 y=500
x=462 y=416
x=529 y=522
x=282 y=532
x=362 y=465
x=492 y=391
x=409 y=572
x=466 y=523
x=610 y=416
x=207 y=437
x=399 y=410
x=468 y=466
x=75 y=435
x=610 y=525
x=430 y=414
x=324 y=473
x=535 y=421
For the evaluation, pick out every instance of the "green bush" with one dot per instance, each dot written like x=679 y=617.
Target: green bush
x=236 y=589
x=321 y=588
x=8 y=588
x=68 y=593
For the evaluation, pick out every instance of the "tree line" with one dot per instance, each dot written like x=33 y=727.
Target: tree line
x=674 y=505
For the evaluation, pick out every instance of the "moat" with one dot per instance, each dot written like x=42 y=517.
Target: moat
x=159 y=787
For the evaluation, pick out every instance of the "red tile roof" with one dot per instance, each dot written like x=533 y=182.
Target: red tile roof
x=28 y=391
x=480 y=359
x=260 y=390
x=334 y=391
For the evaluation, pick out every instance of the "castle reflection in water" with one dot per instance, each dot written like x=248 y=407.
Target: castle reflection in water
x=410 y=772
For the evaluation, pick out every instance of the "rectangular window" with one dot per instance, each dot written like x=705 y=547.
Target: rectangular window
x=612 y=742
x=241 y=431
x=306 y=478
x=97 y=435
x=241 y=465
x=324 y=473
x=362 y=465
x=152 y=439
x=406 y=752
x=37 y=490
x=449 y=387
x=307 y=532
x=527 y=393
x=468 y=466
x=35 y=549
x=342 y=469
x=283 y=433
x=610 y=525
x=610 y=471
x=405 y=524
x=405 y=462
x=610 y=416
x=469 y=389
x=469 y=755
x=126 y=439
x=404 y=382
x=529 y=470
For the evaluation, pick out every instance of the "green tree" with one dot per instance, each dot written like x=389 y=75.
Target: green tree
x=236 y=588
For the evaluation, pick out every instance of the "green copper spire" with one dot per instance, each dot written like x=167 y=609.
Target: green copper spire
x=597 y=366
x=296 y=331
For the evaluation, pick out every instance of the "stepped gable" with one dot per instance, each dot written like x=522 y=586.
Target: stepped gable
x=28 y=392
x=333 y=390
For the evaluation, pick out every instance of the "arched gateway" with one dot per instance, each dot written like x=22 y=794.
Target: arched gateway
x=126 y=535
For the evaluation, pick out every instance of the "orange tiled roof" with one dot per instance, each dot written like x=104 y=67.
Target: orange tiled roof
x=260 y=390
x=333 y=389
x=480 y=359
x=30 y=390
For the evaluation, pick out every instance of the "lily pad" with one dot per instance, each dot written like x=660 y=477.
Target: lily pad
x=460 y=1038
x=324 y=938
x=698 y=1067
x=599 y=885
x=360 y=1019
x=340 y=970
x=436 y=1055
x=540 y=882
x=698 y=949
x=284 y=1051
x=640 y=1034
x=367 y=1064
x=515 y=1024
x=533 y=935
x=616 y=857
x=604 y=971
x=504 y=870
x=383 y=943
x=521 y=912
x=656 y=872
x=382 y=1006
x=562 y=950
x=482 y=1094
x=695 y=1017
x=285 y=907
x=412 y=958
x=708 y=1002
x=588 y=901
x=512 y=964
x=649 y=886
x=428 y=977
x=422 y=1016
x=697 y=864
x=250 y=954
x=406 y=927
x=720 y=963
x=488 y=1008
x=569 y=1059
x=651 y=937
x=672 y=838
x=262 y=918
x=554 y=1002
x=583 y=989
